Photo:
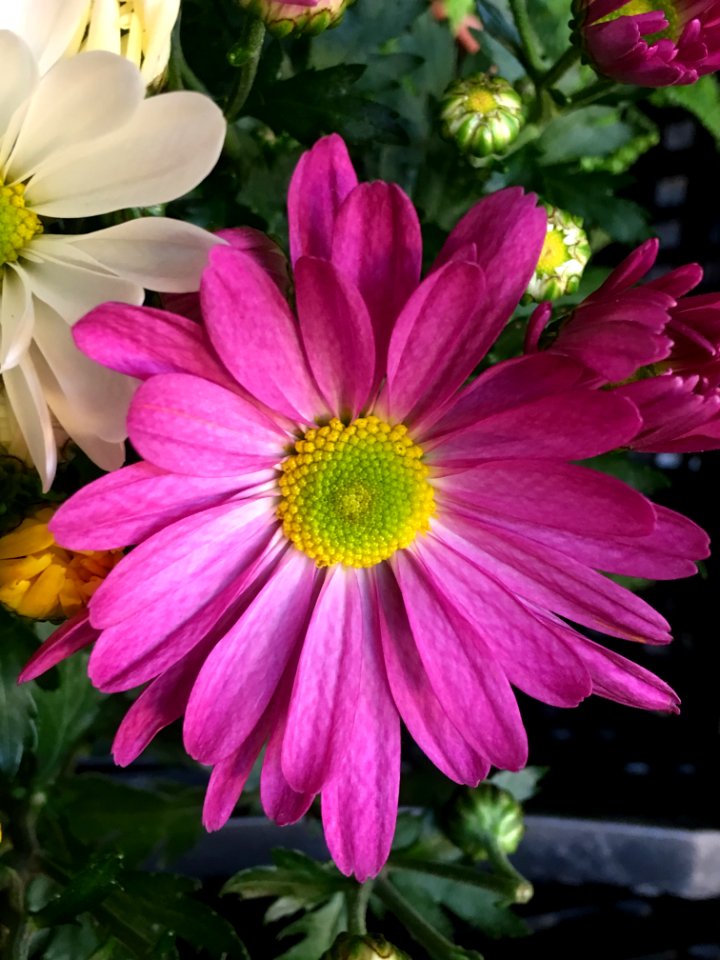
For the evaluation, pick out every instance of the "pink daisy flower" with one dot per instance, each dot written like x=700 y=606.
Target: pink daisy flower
x=336 y=533
x=653 y=43
x=660 y=345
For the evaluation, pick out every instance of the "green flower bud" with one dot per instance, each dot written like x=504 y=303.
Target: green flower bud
x=564 y=256
x=348 y=947
x=476 y=818
x=283 y=19
x=482 y=114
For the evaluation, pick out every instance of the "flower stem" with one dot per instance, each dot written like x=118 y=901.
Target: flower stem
x=509 y=886
x=438 y=946
x=560 y=67
x=533 y=63
x=245 y=57
x=357 y=903
x=596 y=90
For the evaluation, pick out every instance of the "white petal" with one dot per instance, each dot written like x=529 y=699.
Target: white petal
x=79 y=101
x=31 y=412
x=71 y=289
x=157 y=252
x=172 y=142
x=20 y=74
x=16 y=316
x=94 y=400
x=47 y=26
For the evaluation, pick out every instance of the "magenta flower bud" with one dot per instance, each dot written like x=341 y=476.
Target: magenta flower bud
x=305 y=16
x=653 y=43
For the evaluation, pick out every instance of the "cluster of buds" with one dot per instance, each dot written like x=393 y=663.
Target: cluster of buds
x=305 y=16
x=482 y=114
x=564 y=257
x=348 y=947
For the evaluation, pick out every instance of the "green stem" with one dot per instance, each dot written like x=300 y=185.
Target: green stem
x=513 y=888
x=593 y=92
x=498 y=858
x=438 y=946
x=180 y=75
x=520 y=14
x=357 y=904
x=245 y=57
x=560 y=67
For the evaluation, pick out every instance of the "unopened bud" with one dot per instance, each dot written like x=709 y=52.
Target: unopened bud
x=282 y=19
x=482 y=114
x=348 y=947
x=564 y=256
x=477 y=818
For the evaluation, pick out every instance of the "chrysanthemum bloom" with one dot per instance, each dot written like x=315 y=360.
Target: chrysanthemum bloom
x=77 y=142
x=42 y=581
x=655 y=345
x=653 y=43
x=335 y=533
x=303 y=16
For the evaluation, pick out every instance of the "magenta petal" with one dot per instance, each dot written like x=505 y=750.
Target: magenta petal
x=566 y=426
x=359 y=806
x=507 y=228
x=633 y=268
x=419 y=707
x=280 y=802
x=550 y=494
x=133 y=503
x=327 y=681
x=471 y=687
x=623 y=681
x=438 y=340
x=337 y=334
x=253 y=331
x=142 y=342
x=229 y=776
x=66 y=640
x=241 y=674
x=377 y=245
x=191 y=426
x=321 y=181
x=535 y=658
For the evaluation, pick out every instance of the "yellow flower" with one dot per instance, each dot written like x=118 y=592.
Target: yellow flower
x=40 y=580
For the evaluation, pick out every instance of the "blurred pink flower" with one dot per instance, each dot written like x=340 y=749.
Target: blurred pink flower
x=653 y=43
x=335 y=533
x=463 y=30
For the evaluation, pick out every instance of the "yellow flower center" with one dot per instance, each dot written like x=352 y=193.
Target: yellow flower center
x=355 y=494
x=18 y=225
x=40 y=580
x=635 y=7
x=481 y=101
x=554 y=252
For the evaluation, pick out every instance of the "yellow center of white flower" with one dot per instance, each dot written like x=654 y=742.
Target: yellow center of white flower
x=18 y=225
x=635 y=7
x=554 y=252
x=354 y=494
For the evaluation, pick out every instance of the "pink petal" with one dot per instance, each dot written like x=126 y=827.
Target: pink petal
x=566 y=426
x=377 y=245
x=142 y=342
x=359 y=806
x=534 y=657
x=508 y=230
x=327 y=684
x=229 y=776
x=133 y=503
x=437 y=342
x=280 y=802
x=419 y=707
x=240 y=676
x=616 y=678
x=66 y=640
x=559 y=495
x=472 y=688
x=253 y=331
x=633 y=268
x=321 y=181
x=337 y=335
x=191 y=426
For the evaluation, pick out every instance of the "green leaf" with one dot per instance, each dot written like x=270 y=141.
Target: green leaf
x=86 y=889
x=522 y=785
x=17 y=707
x=64 y=715
x=318 y=930
x=592 y=196
x=78 y=941
x=701 y=99
x=592 y=131
x=551 y=23
x=633 y=470
x=366 y=27
x=294 y=875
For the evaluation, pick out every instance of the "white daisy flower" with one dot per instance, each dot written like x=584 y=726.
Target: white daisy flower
x=77 y=142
